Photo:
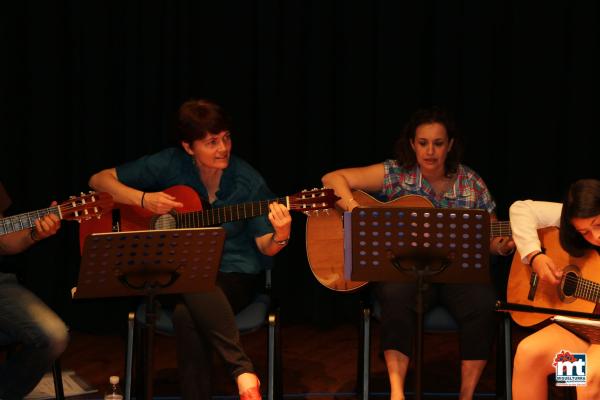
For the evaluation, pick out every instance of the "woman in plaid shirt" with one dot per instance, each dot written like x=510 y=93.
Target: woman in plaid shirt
x=428 y=165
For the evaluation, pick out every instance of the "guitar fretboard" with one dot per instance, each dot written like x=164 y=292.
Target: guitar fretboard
x=26 y=220
x=500 y=228
x=217 y=216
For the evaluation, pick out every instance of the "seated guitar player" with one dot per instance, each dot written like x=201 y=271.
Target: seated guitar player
x=579 y=220
x=25 y=320
x=427 y=164
x=204 y=161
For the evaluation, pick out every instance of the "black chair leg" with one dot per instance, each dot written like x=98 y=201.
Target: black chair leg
x=507 y=339
x=275 y=384
x=364 y=354
x=129 y=356
x=58 y=384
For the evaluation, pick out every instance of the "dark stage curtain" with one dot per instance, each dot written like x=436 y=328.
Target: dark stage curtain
x=312 y=86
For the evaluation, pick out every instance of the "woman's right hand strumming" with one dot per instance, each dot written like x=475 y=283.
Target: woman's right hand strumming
x=545 y=268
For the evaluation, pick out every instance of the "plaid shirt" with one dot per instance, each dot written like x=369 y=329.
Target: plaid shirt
x=468 y=190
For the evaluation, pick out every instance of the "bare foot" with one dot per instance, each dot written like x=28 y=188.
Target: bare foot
x=397 y=395
x=247 y=381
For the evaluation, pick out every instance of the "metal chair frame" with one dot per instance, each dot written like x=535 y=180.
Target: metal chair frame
x=436 y=320
x=274 y=381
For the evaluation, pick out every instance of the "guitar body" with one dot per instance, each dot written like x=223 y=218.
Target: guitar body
x=546 y=295
x=325 y=240
x=136 y=218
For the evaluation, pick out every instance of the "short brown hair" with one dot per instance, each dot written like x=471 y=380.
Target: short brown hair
x=199 y=117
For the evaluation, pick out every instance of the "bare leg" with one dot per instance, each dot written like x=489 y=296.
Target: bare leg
x=592 y=389
x=248 y=386
x=534 y=357
x=397 y=365
x=246 y=381
x=471 y=371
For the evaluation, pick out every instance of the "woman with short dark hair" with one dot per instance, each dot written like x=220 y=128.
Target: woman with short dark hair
x=204 y=161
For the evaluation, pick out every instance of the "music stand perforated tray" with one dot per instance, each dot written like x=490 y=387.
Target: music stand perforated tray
x=157 y=261
x=385 y=244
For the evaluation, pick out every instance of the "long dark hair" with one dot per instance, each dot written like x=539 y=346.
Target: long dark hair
x=581 y=201
x=404 y=152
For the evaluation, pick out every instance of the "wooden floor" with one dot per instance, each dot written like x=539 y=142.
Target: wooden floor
x=318 y=363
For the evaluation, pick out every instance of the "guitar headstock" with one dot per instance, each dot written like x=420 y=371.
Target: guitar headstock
x=86 y=206
x=311 y=201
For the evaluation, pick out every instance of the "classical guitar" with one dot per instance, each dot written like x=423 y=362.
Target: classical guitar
x=325 y=240
x=578 y=290
x=82 y=208
x=192 y=214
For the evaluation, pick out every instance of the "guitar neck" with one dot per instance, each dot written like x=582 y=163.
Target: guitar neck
x=500 y=228
x=26 y=220
x=218 y=216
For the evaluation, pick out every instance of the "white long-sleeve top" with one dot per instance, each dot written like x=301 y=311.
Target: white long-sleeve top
x=526 y=217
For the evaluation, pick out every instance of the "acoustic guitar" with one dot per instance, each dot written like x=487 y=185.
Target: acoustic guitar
x=578 y=290
x=81 y=208
x=325 y=239
x=127 y=218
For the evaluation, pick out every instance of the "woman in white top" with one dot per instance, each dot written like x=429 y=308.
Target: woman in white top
x=579 y=221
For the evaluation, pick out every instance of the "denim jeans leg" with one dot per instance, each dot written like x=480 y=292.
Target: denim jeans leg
x=42 y=337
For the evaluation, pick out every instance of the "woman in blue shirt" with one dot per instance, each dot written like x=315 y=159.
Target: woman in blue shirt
x=204 y=162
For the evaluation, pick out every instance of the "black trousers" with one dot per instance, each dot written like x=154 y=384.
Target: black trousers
x=205 y=322
x=471 y=305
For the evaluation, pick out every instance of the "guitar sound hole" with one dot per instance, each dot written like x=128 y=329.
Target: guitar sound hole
x=570 y=284
x=165 y=221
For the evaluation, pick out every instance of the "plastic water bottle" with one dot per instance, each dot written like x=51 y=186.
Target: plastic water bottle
x=114 y=391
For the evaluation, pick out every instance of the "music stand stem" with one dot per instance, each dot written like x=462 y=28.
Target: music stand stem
x=420 y=308
x=419 y=245
x=150 y=263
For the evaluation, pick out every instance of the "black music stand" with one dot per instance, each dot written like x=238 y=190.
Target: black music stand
x=148 y=263
x=417 y=244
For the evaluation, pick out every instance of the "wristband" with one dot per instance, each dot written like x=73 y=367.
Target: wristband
x=348 y=201
x=143 y=195
x=33 y=235
x=280 y=242
x=533 y=258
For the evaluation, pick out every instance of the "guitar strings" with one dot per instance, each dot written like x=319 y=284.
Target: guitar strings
x=584 y=288
x=214 y=216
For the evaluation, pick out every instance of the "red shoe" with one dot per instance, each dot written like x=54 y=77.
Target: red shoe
x=251 y=394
